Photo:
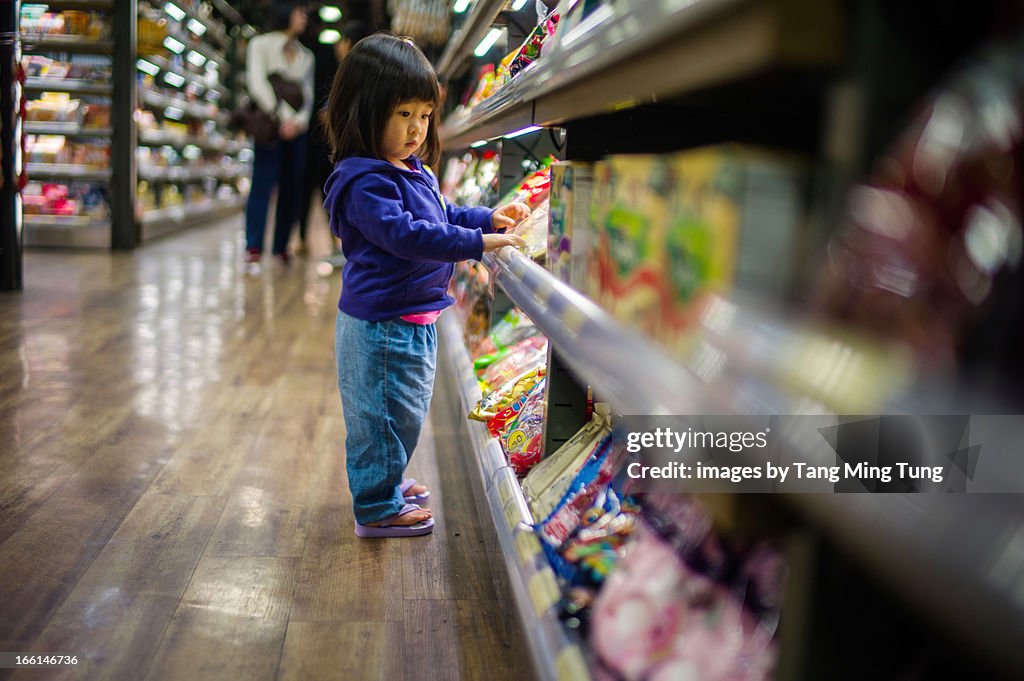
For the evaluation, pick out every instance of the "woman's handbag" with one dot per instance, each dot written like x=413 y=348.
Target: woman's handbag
x=262 y=126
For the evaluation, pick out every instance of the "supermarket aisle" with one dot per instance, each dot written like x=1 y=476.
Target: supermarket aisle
x=172 y=496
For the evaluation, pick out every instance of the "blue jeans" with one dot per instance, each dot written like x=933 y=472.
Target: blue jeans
x=386 y=380
x=281 y=165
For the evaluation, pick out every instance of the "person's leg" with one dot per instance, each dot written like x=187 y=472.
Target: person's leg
x=375 y=457
x=412 y=361
x=265 y=168
x=293 y=162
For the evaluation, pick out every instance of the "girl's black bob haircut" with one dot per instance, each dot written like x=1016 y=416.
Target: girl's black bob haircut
x=380 y=72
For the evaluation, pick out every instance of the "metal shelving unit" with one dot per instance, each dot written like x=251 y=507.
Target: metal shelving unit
x=67 y=44
x=955 y=558
x=613 y=62
x=556 y=655
x=58 y=171
x=68 y=85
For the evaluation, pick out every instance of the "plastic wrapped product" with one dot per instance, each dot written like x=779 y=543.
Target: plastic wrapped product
x=549 y=480
x=657 y=619
x=527 y=354
x=523 y=439
x=513 y=327
x=498 y=399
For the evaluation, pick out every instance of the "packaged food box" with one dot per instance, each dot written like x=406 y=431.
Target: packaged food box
x=734 y=224
x=569 y=221
x=626 y=269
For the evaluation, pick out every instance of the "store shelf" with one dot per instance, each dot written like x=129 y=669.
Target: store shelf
x=186 y=175
x=189 y=76
x=213 y=30
x=656 y=385
x=69 y=85
x=159 y=138
x=461 y=45
x=535 y=589
x=163 y=221
x=965 y=539
x=614 y=61
x=66 y=129
x=61 y=171
x=70 y=44
x=72 y=231
x=93 y=5
x=191 y=109
x=211 y=53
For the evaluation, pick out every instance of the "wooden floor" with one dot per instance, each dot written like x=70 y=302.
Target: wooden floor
x=173 y=501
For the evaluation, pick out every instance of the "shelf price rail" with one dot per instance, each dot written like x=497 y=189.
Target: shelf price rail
x=556 y=656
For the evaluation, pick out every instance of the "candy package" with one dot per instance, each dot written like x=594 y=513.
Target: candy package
x=522 y=439
x=531 y=49
x=534 y=231
x=513 y=327
x=547 y=483
x=535 y=187
x=592 y=481
x=498 y=399
x=527 y=354
x=658 y=619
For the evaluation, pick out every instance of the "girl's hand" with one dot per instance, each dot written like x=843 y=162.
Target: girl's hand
x=495 y=241
x=509 y=215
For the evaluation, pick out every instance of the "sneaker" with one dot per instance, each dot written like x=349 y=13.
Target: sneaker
x=283 y=258
x=253 y=255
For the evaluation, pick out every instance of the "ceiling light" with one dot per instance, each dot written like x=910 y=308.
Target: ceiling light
x=174 y=45
x=195 y=58
x=173 y=79
x=147 y=67
x=174 y=11
x=488 y=42
x=329 y=37
x=174 y=113
x=528 y=129
x=196 y=27
x=329 y=14
x=461 y=6
x=518 y=5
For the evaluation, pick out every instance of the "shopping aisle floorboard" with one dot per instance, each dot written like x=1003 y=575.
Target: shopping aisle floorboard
x=173 y=500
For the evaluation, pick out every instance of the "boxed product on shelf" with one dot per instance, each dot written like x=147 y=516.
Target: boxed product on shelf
x=96 y=116
x=54 y=107
x=671 y=230
x=627 y=255
x=734 y=223
x=569 y=221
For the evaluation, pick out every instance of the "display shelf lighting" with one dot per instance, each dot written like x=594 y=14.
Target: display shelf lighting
x=195 y=58
x=174 y=113
x=329 y=37
x=488 y=42
x=196 y=26
x=461 y=6
x=174 y=79
x=525 y=131
x=478 y=144
x=330 y=14
x=174 y=12
x=147 y=67
x=191 y=152
x=518 y=5
x=174 y=45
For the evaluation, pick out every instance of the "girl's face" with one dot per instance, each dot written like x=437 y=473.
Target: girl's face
x=406 y=130
x=298 y=21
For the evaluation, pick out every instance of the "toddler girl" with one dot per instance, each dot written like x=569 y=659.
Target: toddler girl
x=400 y=239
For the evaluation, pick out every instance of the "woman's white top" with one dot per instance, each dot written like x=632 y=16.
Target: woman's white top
x=266 y=55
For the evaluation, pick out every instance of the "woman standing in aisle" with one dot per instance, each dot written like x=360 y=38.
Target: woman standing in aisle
x=280 y=163
x=400 y=239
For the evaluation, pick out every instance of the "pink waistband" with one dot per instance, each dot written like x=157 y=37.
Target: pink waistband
x=422 y=317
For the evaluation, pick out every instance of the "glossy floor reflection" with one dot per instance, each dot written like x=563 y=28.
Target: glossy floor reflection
x=173 y=502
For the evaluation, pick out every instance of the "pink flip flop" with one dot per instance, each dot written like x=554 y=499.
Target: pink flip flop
x=386 y=531
x=413 y=498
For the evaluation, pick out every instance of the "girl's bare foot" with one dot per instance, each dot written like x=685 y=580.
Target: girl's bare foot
x=410 y=518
